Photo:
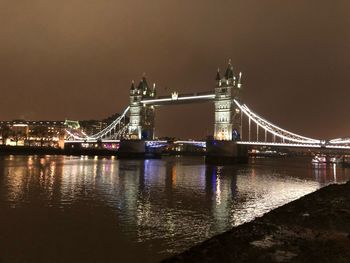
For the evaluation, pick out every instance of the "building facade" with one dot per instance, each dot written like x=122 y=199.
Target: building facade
x=32 y=133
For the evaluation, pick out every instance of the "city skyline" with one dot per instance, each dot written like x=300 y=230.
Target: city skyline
x=76 y=60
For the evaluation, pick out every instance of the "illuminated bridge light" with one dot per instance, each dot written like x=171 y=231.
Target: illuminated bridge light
x=179 y=98
x=304 y=145
x=196 y=143
x=156 y=144
x=337 y=147
x=340 y=141
x=273 y=129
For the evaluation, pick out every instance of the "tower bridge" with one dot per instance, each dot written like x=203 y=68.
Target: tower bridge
x=235 y=125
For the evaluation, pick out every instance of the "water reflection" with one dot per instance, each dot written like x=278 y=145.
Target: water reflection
x=325 y=173
x=156 y=207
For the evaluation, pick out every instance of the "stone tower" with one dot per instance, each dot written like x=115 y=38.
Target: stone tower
x=141 y=125
x=135 y=127
x=227 y=116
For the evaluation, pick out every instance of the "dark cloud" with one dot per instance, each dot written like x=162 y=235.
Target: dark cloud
x=75 y=59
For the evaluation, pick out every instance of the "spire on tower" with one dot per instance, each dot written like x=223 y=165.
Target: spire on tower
x=218 y=77
x=239 y=84
x=153 y=92
x=140 y=86
x=144 y=77
x=229 y=71
x=132 y=85
x=144 y=81
x=144 y=84
x=132 y=88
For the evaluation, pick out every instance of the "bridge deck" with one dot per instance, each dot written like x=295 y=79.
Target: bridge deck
x=250 y=143
x=181 y=99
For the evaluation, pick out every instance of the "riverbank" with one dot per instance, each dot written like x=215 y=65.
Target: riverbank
x=314 y=228
x=36 y=150
x=32 y=150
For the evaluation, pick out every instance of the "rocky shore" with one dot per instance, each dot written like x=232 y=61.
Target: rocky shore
x=314 y=228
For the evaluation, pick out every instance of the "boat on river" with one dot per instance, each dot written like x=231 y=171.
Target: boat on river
x=319 y=159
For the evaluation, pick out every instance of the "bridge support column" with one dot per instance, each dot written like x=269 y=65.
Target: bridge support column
x=225 y=152
x=136 y=149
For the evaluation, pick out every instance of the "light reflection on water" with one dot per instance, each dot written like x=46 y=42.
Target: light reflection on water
x=99 y=209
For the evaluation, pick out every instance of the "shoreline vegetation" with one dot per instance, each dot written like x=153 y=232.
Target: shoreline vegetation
x=314 y=228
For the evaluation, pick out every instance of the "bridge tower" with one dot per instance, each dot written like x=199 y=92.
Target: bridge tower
x=141 y=125
x=224 y=148
x=135 y=127
x=227 y=116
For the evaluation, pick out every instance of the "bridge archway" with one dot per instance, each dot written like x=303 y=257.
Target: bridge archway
x=143 y=102
x=185 y=121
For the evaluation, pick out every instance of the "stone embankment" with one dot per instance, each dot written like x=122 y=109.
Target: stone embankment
x=314 y=228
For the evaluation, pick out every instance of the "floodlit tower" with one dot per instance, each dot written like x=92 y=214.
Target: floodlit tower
x=135 y=127
x=227 y=117
x=141 y=124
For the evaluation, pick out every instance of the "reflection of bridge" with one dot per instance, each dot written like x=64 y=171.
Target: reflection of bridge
x=234 y=120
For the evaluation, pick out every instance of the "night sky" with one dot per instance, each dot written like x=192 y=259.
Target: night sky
x=75 y=59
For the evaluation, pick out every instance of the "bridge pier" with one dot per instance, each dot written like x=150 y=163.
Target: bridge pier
x=136 y=149
x=225 y=152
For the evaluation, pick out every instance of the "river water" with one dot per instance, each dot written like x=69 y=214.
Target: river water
x=85 y=209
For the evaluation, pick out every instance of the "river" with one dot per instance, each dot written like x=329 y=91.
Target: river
x=95 y=209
